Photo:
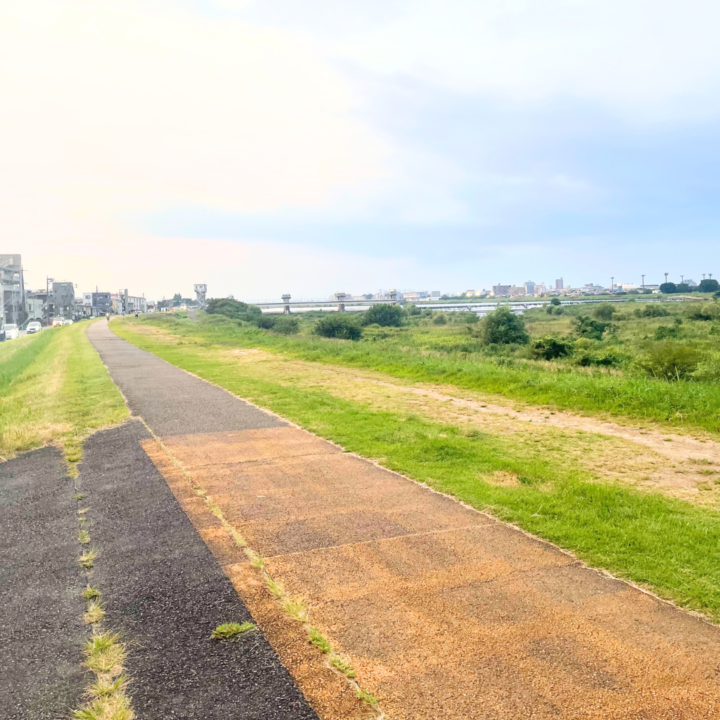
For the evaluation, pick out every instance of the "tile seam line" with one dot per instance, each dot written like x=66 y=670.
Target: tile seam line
x=379 y=540
x=375 y=712
x=486 y=513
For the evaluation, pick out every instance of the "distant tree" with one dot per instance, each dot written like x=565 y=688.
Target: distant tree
x=668 y=288
x=586 y=327
x=503 y=327
x=412 y=309
x=651 y=310
x=439 y=319
x=266 y=322
x=605 y=311
x=338 y=325
x=555 y=301
x=384 y=315
x=684 y=288
x=709 y=285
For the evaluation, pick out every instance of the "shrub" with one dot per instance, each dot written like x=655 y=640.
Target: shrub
x=554 y=309
x=599 y=358
x=668 y=288
x=670 y=361
x=233 y=309
x=550 y=347
x=605 y=311
x=439 y=319
x=708 y=369
x=651 y=311
x=413 y=310
x=585 y=326
x=503 y=327
x=286 y=325
x=384 y=315
x=707 y=311
x=266 y=322
x=555 y=301
x=667 y=331
x=340 y=326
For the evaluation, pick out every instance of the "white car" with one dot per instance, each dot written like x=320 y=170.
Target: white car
x=11 y=331
x=34 y=327
x=57 y=322
x=67 y=322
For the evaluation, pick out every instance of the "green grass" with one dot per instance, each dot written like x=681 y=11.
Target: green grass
x=54 y=389
x=668 y=545
x=429 y=354
x=319 y=640
x=230 y=631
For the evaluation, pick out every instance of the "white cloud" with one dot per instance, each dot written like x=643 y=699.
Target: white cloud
x=645 y=59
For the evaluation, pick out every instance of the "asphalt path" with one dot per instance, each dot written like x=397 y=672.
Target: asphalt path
x=163 y=589
x=41 y=620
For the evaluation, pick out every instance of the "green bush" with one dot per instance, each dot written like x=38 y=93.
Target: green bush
x=605 y=311
x=266 y=322
x=413 y=310
x=550 y=347
x=503 y=327
x=338 y=325
x=706 y=312
x=286 y=325
x=668 y=288
x=384 y=315
x=664 y=332
x=555 y=301
x=671 y=361
x=599 y=358
x=439 y=319
x=233 y=309
x=708 y=369
x=586 y=327
x=651 y=311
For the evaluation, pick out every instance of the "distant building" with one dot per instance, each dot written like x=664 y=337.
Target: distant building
x=12 y=289
x=416 y=295
x=501 y=290
x=63 y=300
x=559 y=284
x=529 y=288
x=101 y=303
x=35 y=304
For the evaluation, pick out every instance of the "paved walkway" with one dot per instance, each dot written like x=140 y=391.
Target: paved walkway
x=41 y=606
x=443 y=611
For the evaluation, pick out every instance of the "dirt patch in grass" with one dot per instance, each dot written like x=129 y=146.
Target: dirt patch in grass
x=647 y=458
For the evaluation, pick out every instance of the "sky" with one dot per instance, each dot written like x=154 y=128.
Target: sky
x=270 y=146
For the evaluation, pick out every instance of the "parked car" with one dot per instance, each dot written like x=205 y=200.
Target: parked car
x=2 y=334
x=11 y=331
x=57 y=322
x=34 y=327
x=67 y=322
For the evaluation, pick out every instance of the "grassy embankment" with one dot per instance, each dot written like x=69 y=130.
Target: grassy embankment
x=665 y=544
x=54 y=389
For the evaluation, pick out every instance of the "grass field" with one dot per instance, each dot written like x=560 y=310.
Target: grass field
x=538 y=481
x=448 y=354
x=54 y=389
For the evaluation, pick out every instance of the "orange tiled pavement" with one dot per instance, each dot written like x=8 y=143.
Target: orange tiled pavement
x=444 y=612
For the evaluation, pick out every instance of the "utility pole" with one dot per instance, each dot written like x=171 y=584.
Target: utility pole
x=643 y=282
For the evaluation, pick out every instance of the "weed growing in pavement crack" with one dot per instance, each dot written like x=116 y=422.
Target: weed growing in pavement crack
x=95 y=612
x=84 y=537
x=319 y=640
x=87 y=559
x=343 y=665
x=90 y=593
x=229 y=631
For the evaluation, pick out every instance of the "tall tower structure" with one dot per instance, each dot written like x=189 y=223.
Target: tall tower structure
x=201 y=295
